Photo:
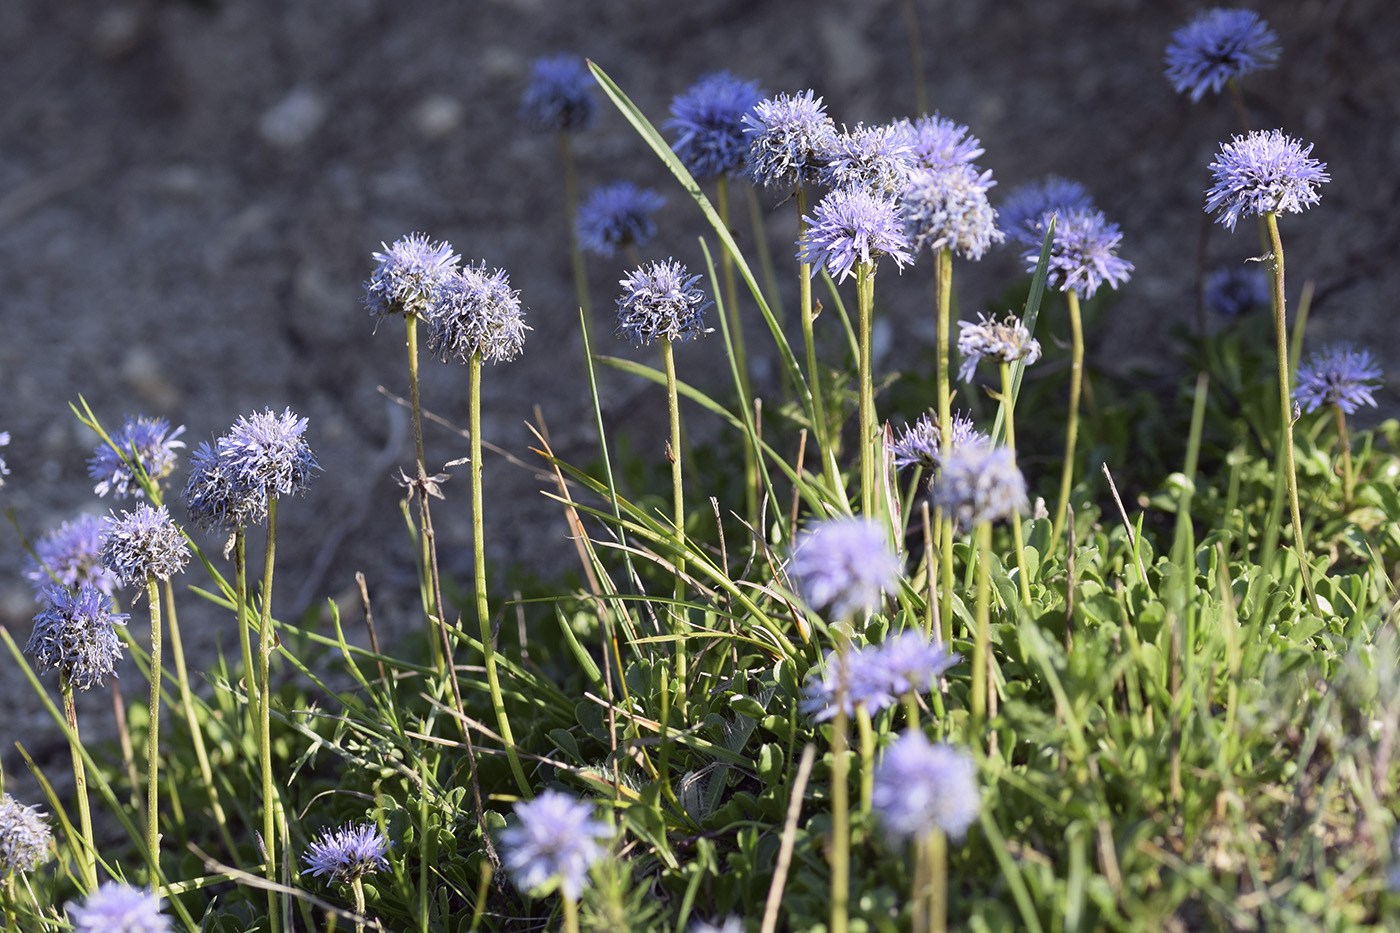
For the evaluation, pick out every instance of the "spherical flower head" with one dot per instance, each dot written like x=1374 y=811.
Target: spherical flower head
x=213 y=501
x=148 y=442
x=876 y=158
x=843 y=566
x=71 y=555
x=919 y=444
x=25 y=838
x=348 y=853
x=1024 y=207
x=476 y=313
x=559 y=97
x=911 y=662
x=1216 y=46
x=4 y=470
x=661 y=302
x=119 y=908
x=850 y=679
x=1001 y=342
x=948 y=207
x=1083 y=254
x=617 y=215
x=1339 y=375
x=407 y=276
x=1233 y=290
x=1261 y=173
x=554 y=843
x=939 y=142
x=144 y=543
x=850 y=226
x=980 y=483
x=76 y=635
x=920 y=787
x=788 y=137
x=708 y=120
x=266 y=455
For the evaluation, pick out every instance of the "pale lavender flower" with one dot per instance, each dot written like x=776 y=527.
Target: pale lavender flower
x=71 y=555
x=1339 y=375
x=144 y=542
x=148 y=442
x=875 y=158
x=1262 y=173
x=1233 y=290
x=848 y=680
x=75 y=634
x=263 y=456
x=213 y=501
x=980 y=483
x=25 y=838
x=1217 y=46
x=117 y=907
x=476 y=312
x=920 y=787
x=407 y=276
x=730 y=924
x=348 y=853
x=788 y=138
x=708 y=120
x=919 y=443
x=938 y=142
x=661 y=302
x=1083 y=253
x=910 y=661
x=1024 y=207
x=4 y=470
x=948 y=207
x=842 y=566
x=617 y=215
x=555 y=841
x=559 y=97
x=850 y=226
x=1004 y=341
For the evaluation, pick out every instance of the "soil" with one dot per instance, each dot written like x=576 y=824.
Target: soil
x=189 y=196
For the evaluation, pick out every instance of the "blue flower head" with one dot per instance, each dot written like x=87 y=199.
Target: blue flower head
x=70 y=555
x=553 y=843
x=144 y=543
x=119 y=908
x=938 y=142
x=876 y=158
x=75 y=634
x=980 y=483
x=948 y=207
x=213 y=501
x=476 y=312
x=1024 y=207
x=407 y=276
x=1339 y=375
x=617 y=215
x=919 y=443
x=1233 y=290
x=708 y=120
x=148 y=442
x=348 y=853
x=788 y=139
x=920 y=787
x=559 y=97
x=843 y=566
x=1083 y=254
x=25 y=838
x=1261 y=173
x=1001 y=342
x=4 y=470
x=730 y=924
x=911 y=662
x=261 y=457
x=1217 y=46
x=850 y=226
x=850 y=679
x=661 y=302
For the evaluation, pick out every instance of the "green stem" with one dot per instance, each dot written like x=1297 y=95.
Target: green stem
x=1008 y=406
x=741 y=364
x=429 y=599
x=937 y=881
x=867 y=758
x=1348 y=478
x=153 y=732
x=864 y=299
x=678 y=616
x=765 y=254
x=840 y=820
x=87 y=854
x=272 y=802
x=483 y=614
x=358 y=886
x=820 y=427
x=981 y=655
x=1285 y=396
x=570 y=914
x=1076 y=384
x=566 y=154
x=240 y=583
x=943 y=299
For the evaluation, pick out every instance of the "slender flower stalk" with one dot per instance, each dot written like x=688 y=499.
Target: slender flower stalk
x=1339 y=377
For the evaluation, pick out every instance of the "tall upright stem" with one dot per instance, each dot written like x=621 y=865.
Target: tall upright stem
x=240 y=588
x=1348 y=479
x=425 y=558
x=272 y=801
x=864 y=300
x=1076 y=384
x=943 y=298
x=820 y=428
x=1018 y=536
x=153 y=733
x=840 y=820
x=741 y=362
x=483 y=612
x=673 y=452
x=981 y=651
x=87 y=854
